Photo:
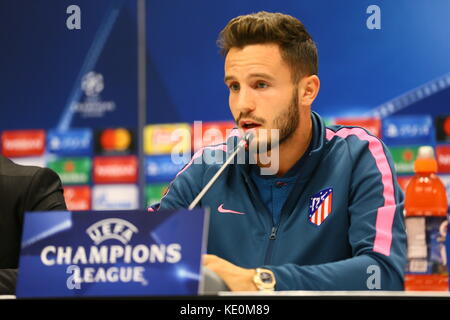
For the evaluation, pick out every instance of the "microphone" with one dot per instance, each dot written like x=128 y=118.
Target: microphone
x=248 y=137
x=245 y=141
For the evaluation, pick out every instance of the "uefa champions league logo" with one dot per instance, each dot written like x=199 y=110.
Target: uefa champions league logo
x=117 y=229
x=92 y=84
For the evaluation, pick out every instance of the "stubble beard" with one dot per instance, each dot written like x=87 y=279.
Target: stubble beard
x=286 y=123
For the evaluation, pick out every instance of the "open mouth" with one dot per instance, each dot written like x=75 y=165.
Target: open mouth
x=247 y=125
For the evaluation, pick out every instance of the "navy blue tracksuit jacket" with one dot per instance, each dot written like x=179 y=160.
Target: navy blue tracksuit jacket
x=341 y=227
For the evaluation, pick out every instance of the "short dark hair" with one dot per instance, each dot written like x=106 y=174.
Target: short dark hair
x=298 y=49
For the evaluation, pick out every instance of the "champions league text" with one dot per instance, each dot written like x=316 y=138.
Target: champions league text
x=109 y=255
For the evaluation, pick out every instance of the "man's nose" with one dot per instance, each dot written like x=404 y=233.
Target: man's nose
x=246 y=102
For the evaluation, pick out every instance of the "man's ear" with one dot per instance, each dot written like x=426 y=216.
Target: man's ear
x=309 y=88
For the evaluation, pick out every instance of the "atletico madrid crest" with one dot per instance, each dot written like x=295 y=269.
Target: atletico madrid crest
x=320 y=206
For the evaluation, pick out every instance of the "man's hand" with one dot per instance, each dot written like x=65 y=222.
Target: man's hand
x=236 y=278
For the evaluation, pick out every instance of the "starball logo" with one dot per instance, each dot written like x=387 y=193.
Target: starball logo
x=92 y=85
x=100 y=262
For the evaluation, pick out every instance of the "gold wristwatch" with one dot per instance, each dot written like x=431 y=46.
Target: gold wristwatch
x=264 y=279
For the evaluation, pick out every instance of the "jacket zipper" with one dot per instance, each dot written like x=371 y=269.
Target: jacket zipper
x=273 y=232
x=272 y=238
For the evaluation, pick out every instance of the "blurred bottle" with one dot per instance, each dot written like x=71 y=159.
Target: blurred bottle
x=426 y=226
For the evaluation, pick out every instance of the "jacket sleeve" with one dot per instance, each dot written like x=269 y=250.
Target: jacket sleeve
x=184 y=188
x=8 y=281
x=376 y=234
x=45 y=192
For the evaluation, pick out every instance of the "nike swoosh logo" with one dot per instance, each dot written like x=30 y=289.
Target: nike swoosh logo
x=222 y=210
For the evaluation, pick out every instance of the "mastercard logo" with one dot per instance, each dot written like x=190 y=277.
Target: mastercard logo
x=115 y=139
x=446 y=126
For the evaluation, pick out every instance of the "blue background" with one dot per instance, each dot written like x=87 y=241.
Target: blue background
x=42 y=62
x=360 y=69
x=401 y=69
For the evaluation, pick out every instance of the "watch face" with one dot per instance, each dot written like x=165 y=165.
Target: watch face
x=265 y=277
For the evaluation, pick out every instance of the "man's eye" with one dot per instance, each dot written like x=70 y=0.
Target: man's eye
x=261 y=85
x=234 y=87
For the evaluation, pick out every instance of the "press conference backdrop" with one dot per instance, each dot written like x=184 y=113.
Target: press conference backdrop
x=69 y=96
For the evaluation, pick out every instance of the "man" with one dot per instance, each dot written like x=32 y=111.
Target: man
x=22 y=189
x=331 y=217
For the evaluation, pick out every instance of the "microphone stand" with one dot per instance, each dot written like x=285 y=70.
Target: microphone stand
x=245 y=141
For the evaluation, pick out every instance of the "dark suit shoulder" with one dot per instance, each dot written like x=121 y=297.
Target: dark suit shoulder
x=11 y=169
x=46 y=175
x=35 y=188
x=22 y=189
x=45 y=192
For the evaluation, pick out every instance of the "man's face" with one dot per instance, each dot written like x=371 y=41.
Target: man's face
x=262 y=95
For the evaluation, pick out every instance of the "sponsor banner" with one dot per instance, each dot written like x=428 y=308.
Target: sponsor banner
x=167 y=138
x=162 y=168
x=404 y=158
x=446 y=180
x=115 y=197
x=443 y=158
x=115 y=141
x=154 y=192
x=210 y=133
x=23 y=143
x=74 y=142
x=115 y=169
x=328 y=121
x=78 y=198
x=403 y=181
x=373 y=125
x=72 y=170
x=442 y=128
x=106 y=254
x=408 y=130
x=31 y=161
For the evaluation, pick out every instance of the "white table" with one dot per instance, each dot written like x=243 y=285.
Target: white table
x=342 y=294
x=368 y=293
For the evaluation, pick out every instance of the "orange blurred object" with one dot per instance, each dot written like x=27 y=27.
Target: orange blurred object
x=425 y=193
x=426 y=198
x=108 y=139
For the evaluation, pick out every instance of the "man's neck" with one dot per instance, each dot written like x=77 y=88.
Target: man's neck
x=289 y=152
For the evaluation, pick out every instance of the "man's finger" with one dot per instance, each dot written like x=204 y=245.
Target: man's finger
x=208 y=258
